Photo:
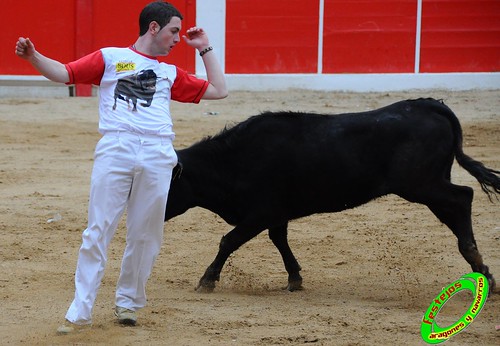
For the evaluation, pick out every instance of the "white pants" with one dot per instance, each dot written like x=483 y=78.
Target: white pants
x=130 y=171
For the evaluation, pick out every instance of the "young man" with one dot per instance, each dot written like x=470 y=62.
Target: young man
x=133 y=161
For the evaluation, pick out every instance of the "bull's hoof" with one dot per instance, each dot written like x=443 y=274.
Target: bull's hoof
x=205 y=287
x=295 y=286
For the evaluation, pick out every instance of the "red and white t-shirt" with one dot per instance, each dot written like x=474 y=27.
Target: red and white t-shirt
x=135 y=90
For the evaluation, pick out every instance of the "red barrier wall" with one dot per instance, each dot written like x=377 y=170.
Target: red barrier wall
x=375 y=36
x=49 y=24
x=67 y=29
x=362 y=36
x=264 y=36
x=276 y=36
x=460 y=35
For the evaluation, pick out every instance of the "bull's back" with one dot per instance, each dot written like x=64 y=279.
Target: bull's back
x=313 y=163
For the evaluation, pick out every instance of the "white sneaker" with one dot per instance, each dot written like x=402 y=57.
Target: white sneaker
x=70 y=328
x=125 y=316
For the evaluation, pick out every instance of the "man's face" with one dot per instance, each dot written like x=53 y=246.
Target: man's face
x=168 y=36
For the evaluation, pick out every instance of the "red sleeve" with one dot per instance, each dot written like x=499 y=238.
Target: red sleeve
x=86 y=70
x=188 y=88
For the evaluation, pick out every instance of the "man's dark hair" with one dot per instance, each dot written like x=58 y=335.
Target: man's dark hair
x=158 y=11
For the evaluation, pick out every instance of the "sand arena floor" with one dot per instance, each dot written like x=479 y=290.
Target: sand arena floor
x=369 y=273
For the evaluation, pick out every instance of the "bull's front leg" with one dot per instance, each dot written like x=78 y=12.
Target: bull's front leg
x=279 y=237
x=228 y=244
x=212 y=273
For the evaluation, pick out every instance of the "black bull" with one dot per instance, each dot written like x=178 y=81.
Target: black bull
x=276 y=167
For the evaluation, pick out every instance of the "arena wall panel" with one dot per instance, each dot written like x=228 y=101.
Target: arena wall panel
x=264 y=36
x=460 y=35
x=49 y=24
x=375 y=36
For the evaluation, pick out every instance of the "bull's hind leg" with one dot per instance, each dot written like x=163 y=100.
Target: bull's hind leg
x=279 y=236
x=452 y=204
x=228 y=244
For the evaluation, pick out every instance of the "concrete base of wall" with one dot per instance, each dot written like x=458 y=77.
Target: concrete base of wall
x=38 y=86
x=365 y=82
x=33 y=91
x=34 y=86
x=31 y=86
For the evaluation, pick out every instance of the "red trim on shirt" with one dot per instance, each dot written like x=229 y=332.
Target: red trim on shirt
x=86 y=70
x=188 y=88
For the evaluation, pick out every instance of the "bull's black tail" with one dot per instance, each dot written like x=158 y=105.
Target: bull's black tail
x=487 y=177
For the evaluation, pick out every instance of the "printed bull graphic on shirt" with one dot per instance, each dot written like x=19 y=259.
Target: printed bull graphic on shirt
x=139 y=86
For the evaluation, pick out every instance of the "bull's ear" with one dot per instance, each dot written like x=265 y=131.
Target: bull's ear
x=177 y=171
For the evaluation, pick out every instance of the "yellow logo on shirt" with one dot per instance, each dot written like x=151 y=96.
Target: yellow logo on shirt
x=125 y=66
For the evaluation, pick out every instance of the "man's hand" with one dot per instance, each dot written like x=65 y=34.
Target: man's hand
x=25 y=48
x=196 y=38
